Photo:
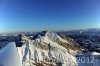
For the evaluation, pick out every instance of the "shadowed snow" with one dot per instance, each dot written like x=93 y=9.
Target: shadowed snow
x=9 y=56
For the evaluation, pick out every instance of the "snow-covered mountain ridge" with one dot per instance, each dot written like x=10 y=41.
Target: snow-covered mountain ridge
x=46 y=49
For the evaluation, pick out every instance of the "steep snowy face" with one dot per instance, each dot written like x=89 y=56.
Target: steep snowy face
x=9 y=56
x=46 y=50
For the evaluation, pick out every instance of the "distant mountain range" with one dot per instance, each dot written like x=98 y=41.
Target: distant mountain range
x=90 y=32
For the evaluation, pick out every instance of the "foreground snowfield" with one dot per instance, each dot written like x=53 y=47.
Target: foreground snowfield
x=9 y=56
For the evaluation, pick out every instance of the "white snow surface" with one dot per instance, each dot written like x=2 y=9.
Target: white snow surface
x=9 y=56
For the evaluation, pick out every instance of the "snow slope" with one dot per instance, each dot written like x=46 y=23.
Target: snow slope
x=9 y=56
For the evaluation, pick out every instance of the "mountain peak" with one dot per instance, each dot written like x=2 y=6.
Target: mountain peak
x=44 y=47
x=43 y=33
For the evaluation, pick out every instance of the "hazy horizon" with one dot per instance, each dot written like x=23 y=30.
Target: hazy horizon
x=48 y=30
x=55 y=15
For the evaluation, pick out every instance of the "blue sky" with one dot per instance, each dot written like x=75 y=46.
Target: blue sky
x=35 y=15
